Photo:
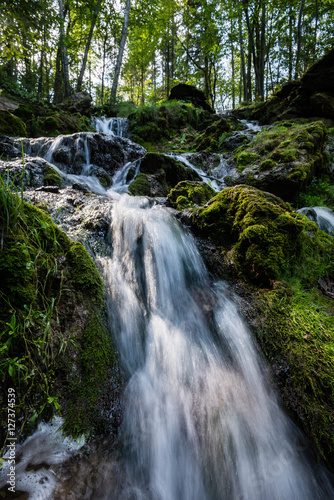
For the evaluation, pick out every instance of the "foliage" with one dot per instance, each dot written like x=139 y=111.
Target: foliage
x=319 y=193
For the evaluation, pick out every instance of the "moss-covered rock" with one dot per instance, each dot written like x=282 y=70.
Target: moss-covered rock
x=284 y=159
x=51 y=176
x=170 y=120
x=140 y=186
x=160 y=173
x=211 y=139
x=260 y=235
x=56 y=349
x=295 y=327
x=11 y=125
x=189 y=193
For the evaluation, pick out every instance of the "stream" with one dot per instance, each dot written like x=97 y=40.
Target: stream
x=201 y=420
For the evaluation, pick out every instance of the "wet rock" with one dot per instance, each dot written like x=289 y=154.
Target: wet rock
x=189 y=193
x=158 y=174
x=79 y=102
x=282 y=160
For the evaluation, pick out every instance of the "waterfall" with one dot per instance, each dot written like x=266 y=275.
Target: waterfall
x=216 y=184
x=200 y=421
x=324 y=217
x=114 y=126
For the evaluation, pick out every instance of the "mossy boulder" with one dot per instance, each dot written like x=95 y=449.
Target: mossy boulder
x=60 y=123
x=11 y=125
x=212 y=137
x=51 y=176
x=56 y=348
x=170 y=120
x=161 y=172
x=79 y=102
x=295 y=328
x=260 y=236
x=186 y=194
x=283 y=159
x=140 y=186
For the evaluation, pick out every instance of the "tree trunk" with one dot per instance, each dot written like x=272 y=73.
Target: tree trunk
x=89 y=39
x=63 y=53
x=120 y=52
x=315 y=30
x=290 y=42
x=103 y=67
x=299 y=37
x=233 y=71
x=243 y=86
x=249 y=72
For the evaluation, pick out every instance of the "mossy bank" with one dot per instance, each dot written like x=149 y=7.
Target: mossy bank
x=56 y=350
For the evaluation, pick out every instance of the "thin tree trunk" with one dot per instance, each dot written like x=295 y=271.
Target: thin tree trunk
x=63 y=52
x=299 y=37
x=243 y=86
x=120 y=52
x=89 y=40
x=103 y=68
x=290 y=42
x=233 y=70
x=249 y=72
x=315 y=30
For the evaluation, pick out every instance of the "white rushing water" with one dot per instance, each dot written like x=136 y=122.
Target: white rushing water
x=324 y=217
x=114 y=126
x=200 y=420
x=214 y=183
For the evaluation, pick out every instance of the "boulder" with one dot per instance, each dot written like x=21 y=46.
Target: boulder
x=80 y=102
x=259 y=235
x=187 y=194
x=283 y=159
x=311 y=97
x=189 y=93
x=158 y=174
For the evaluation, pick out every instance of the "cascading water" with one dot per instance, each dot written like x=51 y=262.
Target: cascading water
x=324 y=217
x=214 y=183
x=200 y=420
x=115 y=126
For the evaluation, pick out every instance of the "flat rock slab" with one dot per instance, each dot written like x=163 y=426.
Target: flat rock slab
x=8 y=104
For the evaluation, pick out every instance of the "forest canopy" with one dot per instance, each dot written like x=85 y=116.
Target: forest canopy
x=137 y=50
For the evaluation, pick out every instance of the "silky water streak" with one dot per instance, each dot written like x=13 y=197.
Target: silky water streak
x=201 y=422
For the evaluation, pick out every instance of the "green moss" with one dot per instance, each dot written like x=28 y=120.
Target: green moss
x=246 y=158
x=96 y=355
x=57 y=350
x=11 y=125
x=287 y=155
x=320 y=192
x=105 y=180
x=187 y=194
x=212 y=138
x=297 y=335
x=267 y=164
x=51 y=177
x=140 y=186
x=84 y=274
x=262 y=236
